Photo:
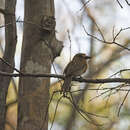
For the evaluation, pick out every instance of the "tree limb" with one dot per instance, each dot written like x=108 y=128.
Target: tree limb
x=95 y=81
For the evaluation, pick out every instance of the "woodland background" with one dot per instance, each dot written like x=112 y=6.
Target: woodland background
x=101 y=30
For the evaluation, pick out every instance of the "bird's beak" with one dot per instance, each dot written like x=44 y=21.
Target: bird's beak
x=87 y=57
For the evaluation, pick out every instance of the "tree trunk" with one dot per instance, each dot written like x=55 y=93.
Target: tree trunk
x=38 y=53
x=10 y=45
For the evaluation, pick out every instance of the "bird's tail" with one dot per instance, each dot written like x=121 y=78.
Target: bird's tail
x=67 y=84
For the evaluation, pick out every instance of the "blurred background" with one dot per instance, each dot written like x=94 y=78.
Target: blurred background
x=102 y=19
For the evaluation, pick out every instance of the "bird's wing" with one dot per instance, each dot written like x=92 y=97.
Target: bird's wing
x=74 y=68
x=68 y=68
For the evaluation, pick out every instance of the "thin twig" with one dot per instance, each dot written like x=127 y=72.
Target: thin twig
x=92 y=89
x=13 y=80
x=55 y=111
x=113 y=32
x=107 y=42
x=84 y=5
x=119 y=72
x=122 y=103
x=98 y=95
x=92 y=114
x=77 y=109
x=70 y=42
x=119 y=45
x=119 y=3
x=100 y=31
x=47 y=110
x=117 y=34
x=114 y=88
x=4 y=61
x=127 y=2
x=108 y=99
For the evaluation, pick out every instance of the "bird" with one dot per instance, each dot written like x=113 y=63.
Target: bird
x=74 y=68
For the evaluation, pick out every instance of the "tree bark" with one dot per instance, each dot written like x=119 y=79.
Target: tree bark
x=38 y=53
x=10 y=45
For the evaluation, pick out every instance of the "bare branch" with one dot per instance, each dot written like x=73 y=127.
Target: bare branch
x=95 y=81
x=99 y=95
x=123 y=102
x=119 y=3
x=88 y=119
x=127 y=2
x=84 y=5
x=70 y=42
x=94 y=21
x=109 y=90
x=109 y=42
x=4 y=61
x=119 y=72
x=101 y=89
x=55 y=111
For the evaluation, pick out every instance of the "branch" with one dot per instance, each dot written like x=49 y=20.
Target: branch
x=127 y=2
x=119 y=3
x=84 y=4
x=109 y=42
x=108 y=80
x=8 y=64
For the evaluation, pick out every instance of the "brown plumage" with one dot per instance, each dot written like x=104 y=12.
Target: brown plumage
x=76 y=67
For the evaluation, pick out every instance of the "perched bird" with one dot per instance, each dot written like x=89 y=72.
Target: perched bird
x=76 y=67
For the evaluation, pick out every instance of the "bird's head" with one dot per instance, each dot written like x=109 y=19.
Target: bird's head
x=82 y=56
